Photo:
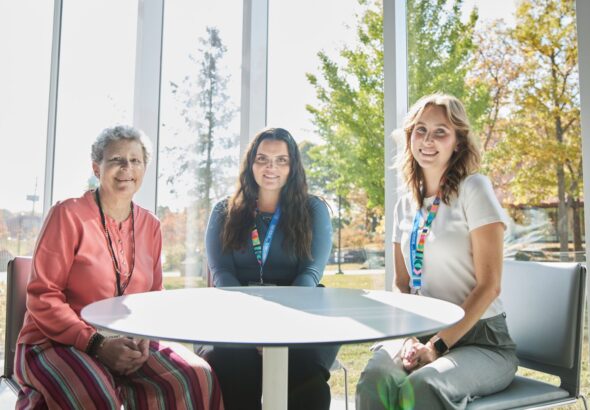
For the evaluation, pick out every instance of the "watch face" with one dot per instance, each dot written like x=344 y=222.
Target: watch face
x=440 y=346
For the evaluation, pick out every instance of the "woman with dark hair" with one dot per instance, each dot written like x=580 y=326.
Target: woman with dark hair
x=270 y=232
x=448 y=244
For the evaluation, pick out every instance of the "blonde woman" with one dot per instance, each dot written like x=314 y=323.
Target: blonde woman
x=448 y=244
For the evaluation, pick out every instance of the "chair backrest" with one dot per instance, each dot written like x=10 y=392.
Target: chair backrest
x=544 y=304
x=16 y=294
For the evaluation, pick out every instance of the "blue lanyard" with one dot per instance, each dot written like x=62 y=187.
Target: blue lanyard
x=415 y=281
x=262 y=252
x=417 y=246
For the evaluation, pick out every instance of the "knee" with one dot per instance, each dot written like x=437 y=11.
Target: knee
x=381 y=367
x=374 y=374
x=378 y=383
x=421 y=389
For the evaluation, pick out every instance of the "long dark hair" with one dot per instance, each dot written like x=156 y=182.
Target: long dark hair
x=295 y=219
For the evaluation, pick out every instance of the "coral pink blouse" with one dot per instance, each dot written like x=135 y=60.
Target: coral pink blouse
x=72 y=267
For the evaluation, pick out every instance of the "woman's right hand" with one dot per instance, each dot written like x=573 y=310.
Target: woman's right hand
x=121 y=354
x=409 y=354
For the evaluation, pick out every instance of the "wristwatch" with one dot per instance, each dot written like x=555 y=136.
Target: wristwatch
x=440 y=346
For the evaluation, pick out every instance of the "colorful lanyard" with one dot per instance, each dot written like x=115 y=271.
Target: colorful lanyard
x=417 y=247
x=261 y=252
x=120 y=288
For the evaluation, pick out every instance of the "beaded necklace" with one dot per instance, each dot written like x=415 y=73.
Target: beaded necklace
x=120 y=287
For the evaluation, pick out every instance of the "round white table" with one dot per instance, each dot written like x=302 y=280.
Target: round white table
x=275 y=318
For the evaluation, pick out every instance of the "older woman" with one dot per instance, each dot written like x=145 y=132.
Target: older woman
x=90 y=248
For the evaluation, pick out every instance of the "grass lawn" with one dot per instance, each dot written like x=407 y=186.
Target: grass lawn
x=353 y=357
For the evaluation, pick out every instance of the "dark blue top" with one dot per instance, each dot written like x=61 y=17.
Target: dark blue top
x=282 y=267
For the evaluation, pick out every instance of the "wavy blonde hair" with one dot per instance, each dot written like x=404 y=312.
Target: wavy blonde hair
x=463 y=162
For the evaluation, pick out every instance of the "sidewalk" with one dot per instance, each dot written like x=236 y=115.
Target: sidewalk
x=356 y=271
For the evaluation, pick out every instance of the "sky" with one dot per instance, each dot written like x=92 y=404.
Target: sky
x=97 y=69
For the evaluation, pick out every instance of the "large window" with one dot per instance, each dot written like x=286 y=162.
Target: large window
x=199 y=132
x=521 y=90
x=96 y=82
x=324 y=110
x=25 y=30
x=25 y=46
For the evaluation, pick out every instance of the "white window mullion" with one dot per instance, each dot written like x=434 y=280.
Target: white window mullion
x=395 y=107
x=146 y=100
x=582 y=18
x=52 y=114
x=254 y=70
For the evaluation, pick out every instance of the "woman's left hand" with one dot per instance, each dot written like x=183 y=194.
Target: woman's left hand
x=143 y=347
x=418 y=356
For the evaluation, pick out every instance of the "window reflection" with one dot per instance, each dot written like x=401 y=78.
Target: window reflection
x=199 y=132
x=96 y=82
x=303 y=98
x=26 y=30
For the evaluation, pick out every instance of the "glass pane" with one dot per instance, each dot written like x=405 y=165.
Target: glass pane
x=24 y=81
x=96 y=83
x=25 y=33
x=306 y=98
x=530 y=141
x=200 y=127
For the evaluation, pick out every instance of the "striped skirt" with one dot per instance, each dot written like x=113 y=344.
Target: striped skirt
x=62 y=377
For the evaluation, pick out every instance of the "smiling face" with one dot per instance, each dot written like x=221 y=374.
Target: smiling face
x=433 y=140
x=271 y=165
x=122 y=168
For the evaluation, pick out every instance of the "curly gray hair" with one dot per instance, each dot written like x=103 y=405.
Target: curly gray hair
x=118 y=133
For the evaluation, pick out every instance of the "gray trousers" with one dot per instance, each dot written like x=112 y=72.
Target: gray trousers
x=481 y=363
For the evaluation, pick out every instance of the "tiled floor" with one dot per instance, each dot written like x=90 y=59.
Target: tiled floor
x=338 y=404
x=7 y=397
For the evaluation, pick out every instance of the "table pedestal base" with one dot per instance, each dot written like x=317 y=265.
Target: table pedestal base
x=275 y=378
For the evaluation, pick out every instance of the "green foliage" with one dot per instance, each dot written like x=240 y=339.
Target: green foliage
x=207 y=113
x=544 y=132
x=349 y=117
x=440 y=50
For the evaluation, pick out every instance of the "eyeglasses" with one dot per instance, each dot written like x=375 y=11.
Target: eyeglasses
x=282 y=161
x=124 y=162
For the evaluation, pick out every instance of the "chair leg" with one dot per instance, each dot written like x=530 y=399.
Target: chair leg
x=584 y=401
x=346 y=387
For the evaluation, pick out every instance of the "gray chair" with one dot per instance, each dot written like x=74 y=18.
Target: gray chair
x=544 y=304
x=16 y=294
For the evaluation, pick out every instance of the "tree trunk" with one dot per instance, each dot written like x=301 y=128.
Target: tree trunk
x=339 y=235
x=577 y=228
x=562 y=219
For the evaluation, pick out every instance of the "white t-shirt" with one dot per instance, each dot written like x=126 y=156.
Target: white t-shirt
x=448 y=271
